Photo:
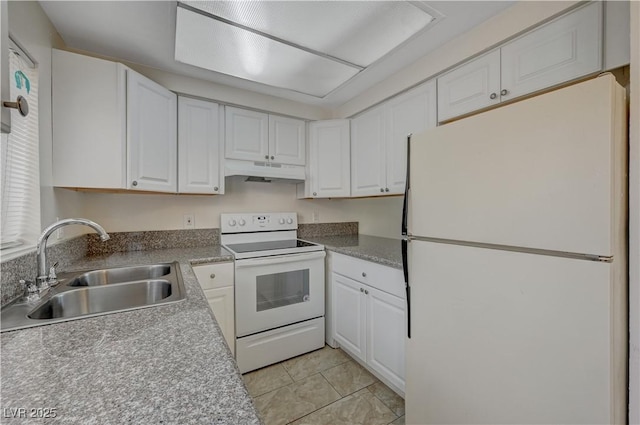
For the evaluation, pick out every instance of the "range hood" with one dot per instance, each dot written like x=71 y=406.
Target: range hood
x=265 y=171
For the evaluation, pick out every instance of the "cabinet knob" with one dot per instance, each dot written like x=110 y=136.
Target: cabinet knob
x=272 y=157
x=212 y=275
x=504 y=92
x=315 y=193
x=361 y=289
x=366 y=292
x=266 y=157
x=215 y=188
x=382 y=189
x=134 y=183
x=493 y=96
x=364 y=274
x=386 y=189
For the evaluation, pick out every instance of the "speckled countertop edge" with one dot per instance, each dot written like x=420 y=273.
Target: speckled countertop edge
x=385 y=251
x=167 y=364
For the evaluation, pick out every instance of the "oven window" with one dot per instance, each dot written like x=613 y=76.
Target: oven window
x=282 y=289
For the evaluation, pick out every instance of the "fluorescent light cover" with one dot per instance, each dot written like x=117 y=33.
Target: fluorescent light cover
x=221 y=47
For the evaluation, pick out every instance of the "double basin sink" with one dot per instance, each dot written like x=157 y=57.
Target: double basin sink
x=92 y=293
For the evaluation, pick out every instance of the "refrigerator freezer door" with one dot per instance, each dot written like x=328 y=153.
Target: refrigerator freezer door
x=544 y=173
x=508 y=337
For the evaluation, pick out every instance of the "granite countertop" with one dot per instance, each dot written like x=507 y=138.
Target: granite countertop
x=385 y=251
x=161 y=365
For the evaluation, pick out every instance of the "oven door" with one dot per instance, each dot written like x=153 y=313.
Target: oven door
x=277 y=291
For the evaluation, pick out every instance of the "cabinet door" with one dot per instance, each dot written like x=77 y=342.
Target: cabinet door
x=221 y=302
x=385 y=335
x=367 y=154
x=89 y=105
x=413 y=112
x=287 y=139
x=5 y=121
x=151 y=135
x=349 y=315
x=199 y=143
x=472 y=86
x=247 y=134
x=562 y=50
x=330 y=159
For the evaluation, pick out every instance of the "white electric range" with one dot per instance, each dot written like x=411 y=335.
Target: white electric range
x=279 y=288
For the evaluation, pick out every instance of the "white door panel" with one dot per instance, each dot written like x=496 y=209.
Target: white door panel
x=505 y=337
x=543 y=173
x=349 y=314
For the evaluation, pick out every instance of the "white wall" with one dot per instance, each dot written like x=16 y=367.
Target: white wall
x=513 y=21
x=131 y=212
x=634 y=220
x=29 y=25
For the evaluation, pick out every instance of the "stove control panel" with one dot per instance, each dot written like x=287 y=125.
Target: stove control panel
x=257 y=222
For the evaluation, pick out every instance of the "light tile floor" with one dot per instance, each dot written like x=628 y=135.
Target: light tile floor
x=324 y=387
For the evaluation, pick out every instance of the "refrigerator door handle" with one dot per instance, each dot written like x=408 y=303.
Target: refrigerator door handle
x=405 y=205
x=405 y=269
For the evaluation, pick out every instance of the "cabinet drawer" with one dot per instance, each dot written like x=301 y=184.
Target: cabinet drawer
x=211 y=276
x=381 y=277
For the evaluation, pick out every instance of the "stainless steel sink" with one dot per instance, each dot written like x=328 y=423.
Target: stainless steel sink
x=97 y=292
x=119 y=275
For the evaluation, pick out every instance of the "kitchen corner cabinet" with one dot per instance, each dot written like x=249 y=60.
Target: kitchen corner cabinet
x=368 y=316
x=329 y=161
x=257 y=136
x=5 y=114
x=200 y=146
x=217 y=282
x=562 y=50
x=112 y=127
x=379 y=141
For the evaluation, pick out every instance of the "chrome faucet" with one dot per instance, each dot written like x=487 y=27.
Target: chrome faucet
x=43 y=281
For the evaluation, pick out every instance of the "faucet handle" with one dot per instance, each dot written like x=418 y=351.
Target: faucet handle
x=31 y=291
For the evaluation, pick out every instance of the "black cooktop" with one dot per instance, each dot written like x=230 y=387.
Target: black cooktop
x=269 y=246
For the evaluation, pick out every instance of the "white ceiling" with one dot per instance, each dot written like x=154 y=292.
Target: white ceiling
x=143 y=32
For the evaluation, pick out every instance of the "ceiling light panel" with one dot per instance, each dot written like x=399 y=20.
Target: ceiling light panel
x=358 y=32
x=209 y=43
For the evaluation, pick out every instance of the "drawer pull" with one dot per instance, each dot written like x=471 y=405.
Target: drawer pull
x=212 y=276
x=364 y=274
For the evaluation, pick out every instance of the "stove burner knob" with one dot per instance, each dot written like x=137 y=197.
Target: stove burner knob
x=242 y=222
x=289 y=221
x=232 y=222
x=281 y=221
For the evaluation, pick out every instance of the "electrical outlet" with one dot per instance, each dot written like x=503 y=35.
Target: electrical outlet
x=188 y=221
x=315 y=216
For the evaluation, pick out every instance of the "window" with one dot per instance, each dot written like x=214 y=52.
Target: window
x=19 y=174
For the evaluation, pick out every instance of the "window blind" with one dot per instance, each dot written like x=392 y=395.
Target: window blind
x=20 y=209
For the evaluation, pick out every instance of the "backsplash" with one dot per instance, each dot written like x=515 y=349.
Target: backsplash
x=89 y=245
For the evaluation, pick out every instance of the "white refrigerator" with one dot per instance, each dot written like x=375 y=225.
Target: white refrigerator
x=517 y=265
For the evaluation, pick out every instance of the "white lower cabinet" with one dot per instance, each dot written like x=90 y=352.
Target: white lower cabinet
x=368 y=320
x=217 y=282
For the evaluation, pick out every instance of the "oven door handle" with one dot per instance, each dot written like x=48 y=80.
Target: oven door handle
x=279 y=259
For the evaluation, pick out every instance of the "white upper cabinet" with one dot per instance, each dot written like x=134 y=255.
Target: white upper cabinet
x=200 y=146
x=410 y=113
x=472 y=86
x=5 y=119
x=247 y=134
x=256 y=136
x=112 y=127
x=329 y=160
x=565 y=49
x=562 y=50
x=286 y=140
x=379 y=141
x=151 y=135
x=368 y=160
